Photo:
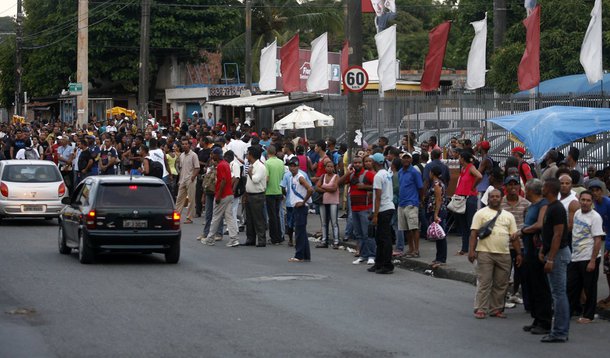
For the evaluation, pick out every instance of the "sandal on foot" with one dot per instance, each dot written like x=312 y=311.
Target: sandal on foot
x=479 y=315
x=497 y=314
x=188 y=221
x=460 y=253
x=583 y=320
x=294 y=259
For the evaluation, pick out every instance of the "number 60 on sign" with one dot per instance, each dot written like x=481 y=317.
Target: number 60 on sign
x=355 y=79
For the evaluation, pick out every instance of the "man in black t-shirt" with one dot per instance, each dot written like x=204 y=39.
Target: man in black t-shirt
x=203 y=153
x=555 y=254
x=85 y=161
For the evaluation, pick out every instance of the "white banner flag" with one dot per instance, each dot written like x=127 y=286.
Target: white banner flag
x=591 y=50
x=318 y=79
x=386 y=49
x=475 y=76
x=268 y=68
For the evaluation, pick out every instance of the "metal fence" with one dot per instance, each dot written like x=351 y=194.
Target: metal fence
x=447 y=115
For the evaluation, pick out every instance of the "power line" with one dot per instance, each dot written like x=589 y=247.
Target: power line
x=73 y=32
x=7 y=9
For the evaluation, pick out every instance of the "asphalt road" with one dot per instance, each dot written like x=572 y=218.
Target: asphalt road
x=244 y=302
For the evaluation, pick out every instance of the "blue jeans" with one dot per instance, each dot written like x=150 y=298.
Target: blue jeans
x=400 y=236
x=360 y=221
x=349 y=227
x=301 y=245
x=561 y=306
x=209 y=212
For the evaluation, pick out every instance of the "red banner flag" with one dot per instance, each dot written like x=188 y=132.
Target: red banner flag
x=367 y=6
x=529 y=68
x=289 y=55
x=438 y=37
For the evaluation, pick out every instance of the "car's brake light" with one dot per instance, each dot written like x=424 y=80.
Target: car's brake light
x=61 y=191
x=90 y=220
x=133 y=187
x=4 y=189
x=176 y=219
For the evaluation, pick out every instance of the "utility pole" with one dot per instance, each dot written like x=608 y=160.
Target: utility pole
x=248 y=45
x=82 y=63
x=499 y=22
x=143 y=86
x=18 y=65
x=354 y=100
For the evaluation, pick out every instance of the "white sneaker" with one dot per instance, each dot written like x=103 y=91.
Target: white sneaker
x=209 y=242
x=509 y=305
x=371 y=261
x=218 y=237
x=515 y=299
x=233 y=243
x=358 y=261
x=200 y=237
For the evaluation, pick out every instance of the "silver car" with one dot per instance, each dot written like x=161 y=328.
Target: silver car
x=30 y=188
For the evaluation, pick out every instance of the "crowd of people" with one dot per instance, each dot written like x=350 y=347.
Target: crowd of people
x=546 y=224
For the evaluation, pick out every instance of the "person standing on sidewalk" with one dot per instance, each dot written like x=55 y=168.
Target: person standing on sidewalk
x=300 y=194
x=256 y=185
x=223 y=201
x=436 y=210
x=383 y=211
x=273 y=194
x=538 y=298
x=189 y=169
x=409 y=198
x=328 y=185
x=602 y=207
x=493 y=256
x=583 y=271
x=467 y=187
x=555 y=254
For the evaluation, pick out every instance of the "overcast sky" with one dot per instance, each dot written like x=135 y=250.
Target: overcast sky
x=8 y=8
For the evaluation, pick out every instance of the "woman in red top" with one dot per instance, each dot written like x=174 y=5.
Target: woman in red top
x=467 y=186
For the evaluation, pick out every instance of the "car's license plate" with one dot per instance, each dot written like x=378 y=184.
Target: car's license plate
x=33 y=208
x=135 y=224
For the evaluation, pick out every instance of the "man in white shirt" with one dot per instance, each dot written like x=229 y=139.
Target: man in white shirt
x=383 y=211
x=239 y=147
x=256 y=185
x=157 y=155
x=583 y=271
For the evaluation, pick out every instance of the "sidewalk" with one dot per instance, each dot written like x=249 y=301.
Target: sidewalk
x=457 y=268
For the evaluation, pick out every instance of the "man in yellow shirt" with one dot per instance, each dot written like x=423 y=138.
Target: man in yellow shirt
x=493 y=256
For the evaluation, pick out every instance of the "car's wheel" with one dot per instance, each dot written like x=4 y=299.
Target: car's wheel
x=61 y=242
x=85 y=253
x=172 y=255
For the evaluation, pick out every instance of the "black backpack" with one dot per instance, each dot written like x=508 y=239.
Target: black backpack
x=155 y=169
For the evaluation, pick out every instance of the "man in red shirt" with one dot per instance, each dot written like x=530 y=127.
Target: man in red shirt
x=360 y=191
x=525 y=172
x=223 y=201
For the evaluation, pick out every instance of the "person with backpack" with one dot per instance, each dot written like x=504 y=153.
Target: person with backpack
x=525 y=171
x=28 y=153
x=149 y=166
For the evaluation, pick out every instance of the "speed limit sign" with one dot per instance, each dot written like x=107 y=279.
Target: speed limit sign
x=355 y=79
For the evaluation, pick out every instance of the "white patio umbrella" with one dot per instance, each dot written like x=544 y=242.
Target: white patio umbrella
x=304 y=117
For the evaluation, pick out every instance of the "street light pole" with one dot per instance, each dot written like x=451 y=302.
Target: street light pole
x=354 y=99
x=248 y=49
x=18 y=65
x=143 y=82
x=82 y=62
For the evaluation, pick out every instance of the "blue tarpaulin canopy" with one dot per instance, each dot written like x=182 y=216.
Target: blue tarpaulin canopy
x=577 y=84
x=547 y=128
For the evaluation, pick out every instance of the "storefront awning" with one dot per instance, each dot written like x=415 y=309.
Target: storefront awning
x=265 y=100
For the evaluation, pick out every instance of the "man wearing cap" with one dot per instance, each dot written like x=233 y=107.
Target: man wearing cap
x=485 y=166
x=525 y=171
x=516 y=205
x=383 y=212
x=411 y=190
x=602 y=207
x=223 y=202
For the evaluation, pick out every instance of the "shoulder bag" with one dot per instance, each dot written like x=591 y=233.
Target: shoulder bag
x=485 y=230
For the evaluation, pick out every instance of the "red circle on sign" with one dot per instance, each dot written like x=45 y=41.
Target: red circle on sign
x=360 y=84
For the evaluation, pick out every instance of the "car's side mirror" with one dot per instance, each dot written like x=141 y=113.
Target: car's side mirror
x=66 y=200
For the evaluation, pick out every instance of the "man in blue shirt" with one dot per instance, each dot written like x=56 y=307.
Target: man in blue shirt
x=602 y=206
x=409 y=198
x=435 y=155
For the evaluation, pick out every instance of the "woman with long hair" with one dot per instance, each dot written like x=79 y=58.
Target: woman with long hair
x=467 y=187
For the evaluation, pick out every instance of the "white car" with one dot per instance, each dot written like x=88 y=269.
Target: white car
x=30 y=188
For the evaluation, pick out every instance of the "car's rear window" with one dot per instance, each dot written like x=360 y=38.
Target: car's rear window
x=31 y=173
x=133 y=196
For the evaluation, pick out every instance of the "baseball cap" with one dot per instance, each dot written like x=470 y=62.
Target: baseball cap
x=195 y=113
x=378 y=157
x=484 y=145
x=512 y=178
x=519 y=150
x=293 y=161
x=217 y=150
x=595 y=183
x=406 y=154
